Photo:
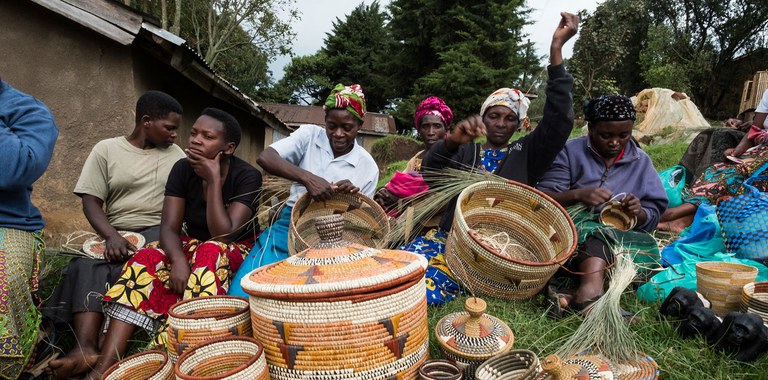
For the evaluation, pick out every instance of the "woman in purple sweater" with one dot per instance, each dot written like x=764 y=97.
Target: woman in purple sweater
x=593 y=170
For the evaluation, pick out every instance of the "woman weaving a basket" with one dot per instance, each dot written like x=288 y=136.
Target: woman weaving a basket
x=594 y=171
x=319 y=160
x=213 y=193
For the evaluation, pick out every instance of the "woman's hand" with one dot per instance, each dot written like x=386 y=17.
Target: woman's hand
x=567 y=28
x=318 y=188
x=593 y=196
x=384 y=198
x=207 y=168
x=467 y=130
x=117 y=248
x=632 y=204
x=345 y=186
x=179 y=275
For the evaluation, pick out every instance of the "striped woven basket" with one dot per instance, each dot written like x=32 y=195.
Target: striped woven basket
x=229 y=357
x=539 y=236
x=197 y=320
x=596 y=366
x=754 y=299
x=510 y=365
x=341 y=311
x=722 y=284
x=365 y=222
x=148 y=365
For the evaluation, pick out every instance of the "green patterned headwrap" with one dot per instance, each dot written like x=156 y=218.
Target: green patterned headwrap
x=350 y=98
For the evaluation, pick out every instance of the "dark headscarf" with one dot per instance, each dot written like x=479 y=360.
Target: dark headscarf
x=609 y=108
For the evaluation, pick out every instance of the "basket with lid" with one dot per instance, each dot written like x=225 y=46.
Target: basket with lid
x=507 y=239
x=341 y=310
x=471 y=337
x=365 y=222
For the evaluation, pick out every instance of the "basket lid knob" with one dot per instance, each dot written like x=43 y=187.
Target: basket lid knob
x=554 y=366
x=475 y=307
x=329 y=228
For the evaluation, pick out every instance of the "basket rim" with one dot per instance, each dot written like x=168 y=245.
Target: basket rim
x=172 y=311
x=189 y=352
x=560 y=208
x=115 y=366
x=303 y=199
x=705 y=265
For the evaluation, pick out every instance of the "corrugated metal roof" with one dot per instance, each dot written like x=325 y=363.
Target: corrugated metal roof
x=294 y=115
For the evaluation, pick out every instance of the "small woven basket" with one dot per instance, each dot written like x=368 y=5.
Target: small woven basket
x=229 y=357
x=197 y=320
x=596 y=366
x=754 y=299
x=722 y=283
x=439 y=369
x=510 y=365
x=148 y=365
x=365 y=222
x=540 y=237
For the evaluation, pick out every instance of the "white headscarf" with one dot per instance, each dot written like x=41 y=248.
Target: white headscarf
x=511 y=98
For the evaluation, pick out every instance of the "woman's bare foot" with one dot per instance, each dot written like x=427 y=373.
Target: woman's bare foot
x=677 y=225
x=78 y=361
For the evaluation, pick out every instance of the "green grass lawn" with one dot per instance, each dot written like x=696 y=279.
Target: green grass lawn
x=677 y=358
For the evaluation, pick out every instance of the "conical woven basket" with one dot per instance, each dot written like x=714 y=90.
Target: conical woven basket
x=224 y=358
x=365 y=222
x=149 y=365
x=197 y=320
x=540 y=237
x=722 y=283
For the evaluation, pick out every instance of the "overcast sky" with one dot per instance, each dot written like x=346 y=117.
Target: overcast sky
x=317 y=18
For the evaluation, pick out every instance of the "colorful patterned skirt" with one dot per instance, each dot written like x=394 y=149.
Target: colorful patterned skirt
x=725 y=178
x=142 y=297
x=441 y=285
x=19 y=317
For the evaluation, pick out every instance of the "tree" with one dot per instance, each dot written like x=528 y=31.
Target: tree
x=699 y=39
x=460 y=50
x=606 y=54
x=304 y=81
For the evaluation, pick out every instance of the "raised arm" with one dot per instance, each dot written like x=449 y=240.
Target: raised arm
x=318 y=188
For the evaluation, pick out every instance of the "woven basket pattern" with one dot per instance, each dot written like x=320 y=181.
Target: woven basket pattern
x=149 y=365
x=722 y=283
x=754 y=299
x=541 y=231
x=510 y=365
x=593 y=366
x=365 y=222
x=375 y=338
x=224 y=358
x=439 y=369
x=197 y=320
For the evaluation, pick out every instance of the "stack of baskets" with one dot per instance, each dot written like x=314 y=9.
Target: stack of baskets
x=341 y=310
x=722 y=283
x=539 y=235
x=148 y=365
x=754 y=299
x=365 y=222
x=231 y=357
x=197 y=320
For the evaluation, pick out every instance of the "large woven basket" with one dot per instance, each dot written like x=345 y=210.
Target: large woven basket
x=510 y=365
x=541 y=236
x=722 y=283
x=197 y=320
x=229 y=357
x=365 y=222
x=148 y=365
x=341 y=311
x=754 y=299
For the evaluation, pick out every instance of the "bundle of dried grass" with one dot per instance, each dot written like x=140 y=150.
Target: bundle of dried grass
x=604 y=330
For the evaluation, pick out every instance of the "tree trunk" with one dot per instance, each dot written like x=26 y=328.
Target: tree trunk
x=176 y=27
x=164 y=14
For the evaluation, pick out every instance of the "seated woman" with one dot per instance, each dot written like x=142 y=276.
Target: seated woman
x=214 y=194
x=320 y=161
x=526 y=159
x=593 y=170
x=725 y=178
x=432 y=119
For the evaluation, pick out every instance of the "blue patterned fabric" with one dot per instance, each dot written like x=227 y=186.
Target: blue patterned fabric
x=441 y=286
x=491 y=158
x=744 y=220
